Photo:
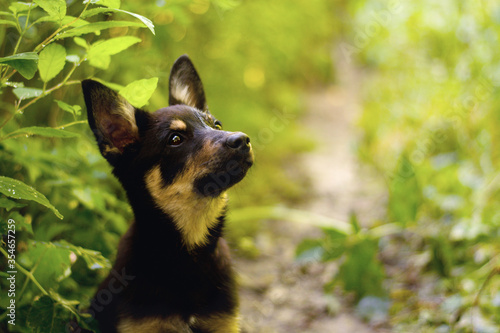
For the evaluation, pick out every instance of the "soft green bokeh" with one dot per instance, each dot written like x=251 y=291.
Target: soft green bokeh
x=430 y=100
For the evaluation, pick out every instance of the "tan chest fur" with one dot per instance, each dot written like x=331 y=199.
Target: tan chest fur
x=221 y=323
x=193 y=214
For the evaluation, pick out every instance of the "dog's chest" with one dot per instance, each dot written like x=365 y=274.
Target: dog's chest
x=153 y=325
x=216 y=323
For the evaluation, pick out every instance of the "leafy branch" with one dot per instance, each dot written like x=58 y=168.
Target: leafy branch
x=51 y=38
x=22 y=31
x=49 y=58
x=44 y=71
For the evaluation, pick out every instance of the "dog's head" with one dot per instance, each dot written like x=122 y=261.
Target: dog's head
x=180 y=153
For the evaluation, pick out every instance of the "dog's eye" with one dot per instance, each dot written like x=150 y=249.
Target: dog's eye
x=218 y=125
x=175 y=140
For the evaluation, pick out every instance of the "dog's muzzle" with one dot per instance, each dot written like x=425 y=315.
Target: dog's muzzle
x=236 y=157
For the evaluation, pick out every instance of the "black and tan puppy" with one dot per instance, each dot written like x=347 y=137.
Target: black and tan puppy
x=173 y=271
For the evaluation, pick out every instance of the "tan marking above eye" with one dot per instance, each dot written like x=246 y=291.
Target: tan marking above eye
x=178 y=125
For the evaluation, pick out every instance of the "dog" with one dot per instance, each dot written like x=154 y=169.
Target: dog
x=173 y=269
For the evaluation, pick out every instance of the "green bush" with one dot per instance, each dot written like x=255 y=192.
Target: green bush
x=48 y=50
x=431 y=128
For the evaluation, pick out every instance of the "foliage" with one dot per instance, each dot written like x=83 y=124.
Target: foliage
x=47 y=268
x=431 y=128
x=361 y=271
x=58 y=193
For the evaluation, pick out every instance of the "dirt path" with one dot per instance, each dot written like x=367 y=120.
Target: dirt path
x=278 y=294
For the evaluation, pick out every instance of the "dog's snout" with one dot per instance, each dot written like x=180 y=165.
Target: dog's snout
x=239 y=141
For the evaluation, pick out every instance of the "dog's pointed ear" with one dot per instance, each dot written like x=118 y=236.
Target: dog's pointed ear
x=111 y=118
x=185 y=85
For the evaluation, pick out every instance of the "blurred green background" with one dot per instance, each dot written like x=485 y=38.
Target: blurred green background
x=429 y=77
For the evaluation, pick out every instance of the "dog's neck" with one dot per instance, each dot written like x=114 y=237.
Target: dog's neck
x=194 y=216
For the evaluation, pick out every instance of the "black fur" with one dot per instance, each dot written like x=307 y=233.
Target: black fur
x=156 y=274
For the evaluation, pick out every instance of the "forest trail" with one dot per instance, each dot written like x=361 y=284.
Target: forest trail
x=278 y=294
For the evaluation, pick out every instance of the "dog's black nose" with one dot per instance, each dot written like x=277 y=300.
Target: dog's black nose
x=238 y=140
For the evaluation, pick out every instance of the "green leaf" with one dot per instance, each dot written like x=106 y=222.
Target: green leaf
x=52 y=263
x=81 y=42
x=109 y=3
x=19 y=7
x=147 y=22
x=47 y=232
x=14 y=84
x=99 y=53
x=94 y=259
x=354 y=222
x=51 y=61
x=95 y=11
x=361 y=272
x=334 y=244
x=75 y=110
x=96 y=27
x=67 y=304
x=13 y=188
x=47 y=132
x=309 y=250
x=27 y=93
x=442 y=255
x=139 y=92
x=24 y=63
x=64 y=106
x=42 y=314
x=2 y=13
x=20 y=56
x=47 y=316
x=73 y=21
x=404 y=193
x=55 y=8
x=113 y=45
x=21 y=223
x=8 y=22
x=9 y=204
